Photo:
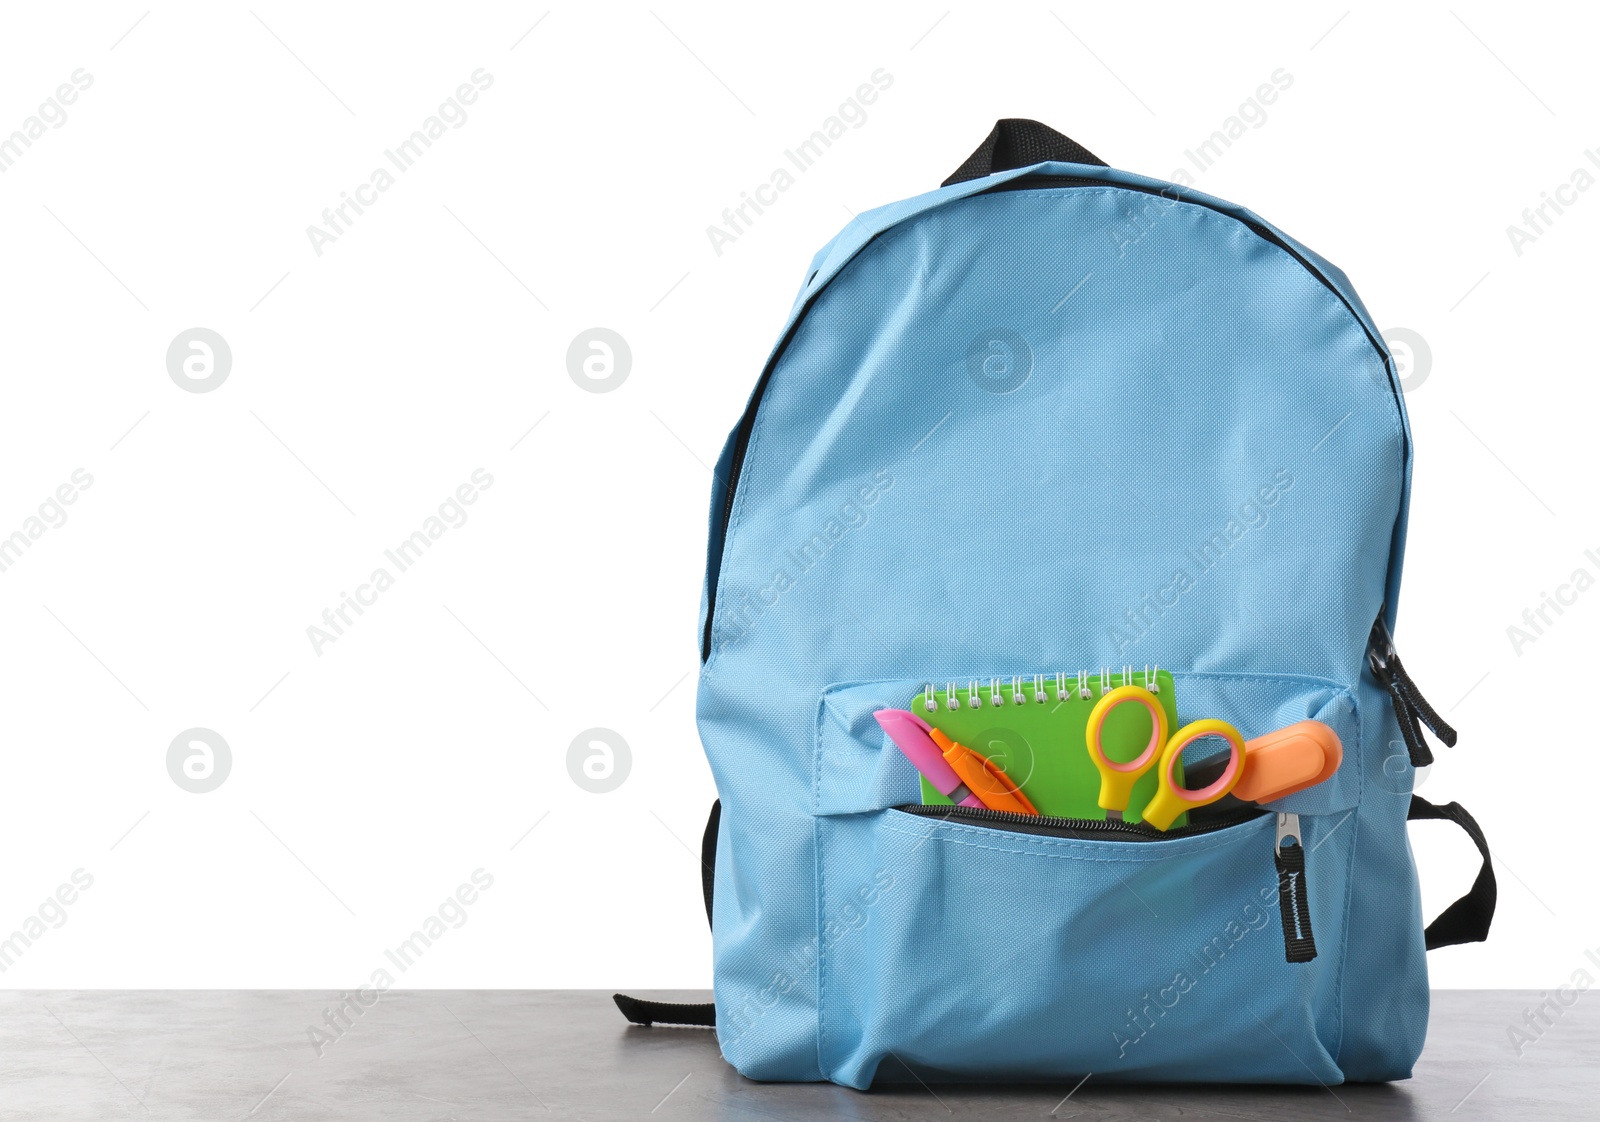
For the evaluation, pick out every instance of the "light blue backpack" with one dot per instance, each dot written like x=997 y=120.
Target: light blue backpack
x=1056 y=417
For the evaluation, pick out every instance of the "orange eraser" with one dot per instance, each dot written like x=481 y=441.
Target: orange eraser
x=1289 y=760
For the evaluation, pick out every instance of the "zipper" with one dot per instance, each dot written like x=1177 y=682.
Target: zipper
x=1294 y=902
x=741 y=437
x=1259 y=229
x=1411 y=709
x=741 y=441
x=1082 y=828
x=1288 y=855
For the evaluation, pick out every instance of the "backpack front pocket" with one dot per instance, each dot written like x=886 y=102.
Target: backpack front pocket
x=957 y=944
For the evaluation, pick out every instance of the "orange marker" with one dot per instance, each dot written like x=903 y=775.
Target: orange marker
x=993 y=787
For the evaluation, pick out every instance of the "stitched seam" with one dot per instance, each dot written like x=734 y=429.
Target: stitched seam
x=1349 y=893
x=821 y=901
x=1344 y=940
x=1264 y=679
x=937 y=834
x=747 y=466
x=827 y=707
x=1324 y=283
x=1336 y=688
x=740 y=500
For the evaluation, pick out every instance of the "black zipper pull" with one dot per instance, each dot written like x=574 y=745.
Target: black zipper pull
x=1411 y=709
x=1293 y=901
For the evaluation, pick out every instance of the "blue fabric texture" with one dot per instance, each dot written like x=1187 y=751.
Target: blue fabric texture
x=1011 y=432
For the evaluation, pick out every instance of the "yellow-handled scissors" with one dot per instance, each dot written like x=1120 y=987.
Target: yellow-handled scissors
x=1171 y=799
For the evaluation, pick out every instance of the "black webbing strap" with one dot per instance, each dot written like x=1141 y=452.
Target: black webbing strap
x=1299 y=945
x=1016 y=142
x=643 y=1011
x=1411 y=709
x=1417 y=749
x=1468 y=919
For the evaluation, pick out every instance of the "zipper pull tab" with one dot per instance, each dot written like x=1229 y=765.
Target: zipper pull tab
x=1293 y=902
x=1411 y=709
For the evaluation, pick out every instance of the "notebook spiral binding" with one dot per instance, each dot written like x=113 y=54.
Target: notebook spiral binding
x=1081 y=686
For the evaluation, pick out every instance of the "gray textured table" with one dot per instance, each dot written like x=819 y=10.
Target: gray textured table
x=487 y=1055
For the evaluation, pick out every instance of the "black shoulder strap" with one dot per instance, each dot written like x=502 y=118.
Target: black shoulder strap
x=642 y=1011
x=1016 y=142
x=1468 y=919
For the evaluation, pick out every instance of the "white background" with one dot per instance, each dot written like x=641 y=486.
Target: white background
x=370 y=381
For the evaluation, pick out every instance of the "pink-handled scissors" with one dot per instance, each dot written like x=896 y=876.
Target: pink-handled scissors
x=1171 y=798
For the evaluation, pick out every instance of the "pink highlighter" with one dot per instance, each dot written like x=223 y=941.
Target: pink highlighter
x=910 y=734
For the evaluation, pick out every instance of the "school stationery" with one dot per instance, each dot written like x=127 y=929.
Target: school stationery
x=997 y=790
x=1280 y=763
x=1172 y=798
x=910 y=734
x=1032 y=728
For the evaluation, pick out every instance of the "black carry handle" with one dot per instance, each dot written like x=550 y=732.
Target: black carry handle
x=643 y=1011
x=1017 y=142
x=1468 y=919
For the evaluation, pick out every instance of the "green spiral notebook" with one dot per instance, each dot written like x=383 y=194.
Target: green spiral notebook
x=1039 y=741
